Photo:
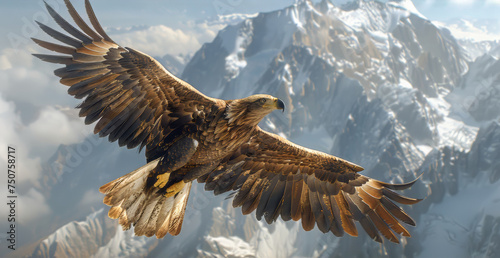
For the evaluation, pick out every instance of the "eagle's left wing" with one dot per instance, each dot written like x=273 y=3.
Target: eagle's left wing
x=130 y=95
x=277 y=177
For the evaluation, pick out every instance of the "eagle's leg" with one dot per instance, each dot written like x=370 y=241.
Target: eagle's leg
x=176 y=157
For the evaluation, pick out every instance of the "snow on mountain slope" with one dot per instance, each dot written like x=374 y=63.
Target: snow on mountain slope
x=463 y=221
x=78 y=238
x=375 y=83
x=481 y=84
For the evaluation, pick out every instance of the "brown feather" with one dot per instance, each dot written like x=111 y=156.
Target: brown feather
x=336 y=226
x=399 y=198
x=251 y=201
x=345 y=215
x=79 y=21
x=397 y=211
x=307 y=215
x=391 y=221
x=296 y=208
x=275 y=202
x=356 y=206
x=95 y=22
x=54 y=47
x=266 y=194
x=286 y=206
x=66 y=26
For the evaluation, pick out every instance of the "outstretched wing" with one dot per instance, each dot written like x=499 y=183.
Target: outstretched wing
x=276 y=177
x=133 y=97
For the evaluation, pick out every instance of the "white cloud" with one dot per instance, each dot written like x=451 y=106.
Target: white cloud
x=30 y=82
x=468 y=30
x=4 y=63
x=428 y=4
x=492 y=2
x=30 y=90
x=28 y=168
x=91 y=198
x=160 y=40
x=55 y=126
x=32 y=207
x=37 y=141
x=461 y=2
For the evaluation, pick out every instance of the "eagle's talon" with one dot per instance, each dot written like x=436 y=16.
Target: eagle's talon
x=162 y=180
x=174 y=189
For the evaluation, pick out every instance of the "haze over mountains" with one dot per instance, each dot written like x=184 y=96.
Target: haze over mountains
x=375 y=83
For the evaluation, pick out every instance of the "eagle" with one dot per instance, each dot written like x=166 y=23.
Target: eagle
x=189 y=136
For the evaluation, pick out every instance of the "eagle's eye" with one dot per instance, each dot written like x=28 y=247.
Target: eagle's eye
x=262 y=100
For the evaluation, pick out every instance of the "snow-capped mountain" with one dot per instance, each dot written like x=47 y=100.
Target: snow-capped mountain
x=375 y=83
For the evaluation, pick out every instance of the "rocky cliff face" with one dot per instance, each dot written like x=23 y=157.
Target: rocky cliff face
x=375 y=83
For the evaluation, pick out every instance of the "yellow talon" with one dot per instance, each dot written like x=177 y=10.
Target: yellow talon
x=162 y=180
x=174 y=189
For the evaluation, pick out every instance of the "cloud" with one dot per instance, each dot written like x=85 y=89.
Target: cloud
x=28 y=168
x=461 y=2
x=469 y=30
x=160 y=40
x=4 y=63
x=64 y=128
x=492 y=2
x=38 y=140
x=91 y=198
x=428 y=4
x=35 y=114
x=32 y=206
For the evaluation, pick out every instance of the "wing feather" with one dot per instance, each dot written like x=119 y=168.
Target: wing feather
x=95 y=22
x=286 y=206
x=297 y=186
x=275 y=203
x=54 y=47
x=81 y=24
x=68 y=27
x=266 y=194
x=306 y=213
x=336 y=226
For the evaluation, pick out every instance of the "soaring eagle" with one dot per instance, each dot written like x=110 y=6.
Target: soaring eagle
x=189 y=136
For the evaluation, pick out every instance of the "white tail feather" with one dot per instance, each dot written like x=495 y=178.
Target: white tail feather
x=149 y=211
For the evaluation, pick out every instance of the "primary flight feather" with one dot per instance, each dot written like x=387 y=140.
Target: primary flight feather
x=189 y=136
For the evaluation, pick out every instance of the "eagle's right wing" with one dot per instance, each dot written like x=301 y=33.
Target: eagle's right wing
x=276 y=177
x=134 y=98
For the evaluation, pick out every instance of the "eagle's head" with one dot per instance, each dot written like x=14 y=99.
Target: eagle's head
x=252 y=109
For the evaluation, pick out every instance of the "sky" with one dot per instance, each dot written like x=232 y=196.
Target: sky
x=444 y=10
x=28 y=93
x=17 y=16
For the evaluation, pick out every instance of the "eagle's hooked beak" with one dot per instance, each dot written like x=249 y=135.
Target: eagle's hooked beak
x=279 y=104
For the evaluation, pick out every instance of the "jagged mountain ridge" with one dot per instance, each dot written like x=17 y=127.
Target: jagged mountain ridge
x=370 y=80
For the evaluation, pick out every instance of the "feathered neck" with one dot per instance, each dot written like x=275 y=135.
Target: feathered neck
x=239 y=113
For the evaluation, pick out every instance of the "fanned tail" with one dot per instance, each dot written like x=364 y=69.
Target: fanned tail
x=150 y=211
